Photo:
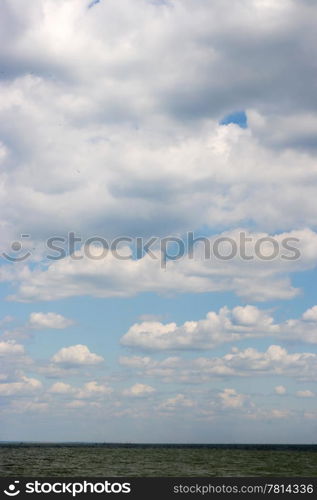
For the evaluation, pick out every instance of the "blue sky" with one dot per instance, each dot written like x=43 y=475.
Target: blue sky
x=153 y=119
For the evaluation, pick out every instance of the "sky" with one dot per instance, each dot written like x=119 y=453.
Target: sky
x=129 y=129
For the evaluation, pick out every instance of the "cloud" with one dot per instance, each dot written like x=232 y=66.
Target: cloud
x=289 y=131
x=280 y=389
x=269 y=414
x=93 y=389
x=231 y=399
x=249 y=362
x=256 y=279
x=34 y=406
x=275 y=360
x=40 y=320
x=98 y=138
x=10 y=348
x=57 y=371
x=24 y=386
x=76 y=404
x=90 y=390
x=240 y=323
x=61 y=388
x=305 y=394
x=310 y=314
x=276 y=413
x=76 y=355
x=303 y=329
x=138 y=390
x=227 y=326
x=116 y=142
x=177 y=402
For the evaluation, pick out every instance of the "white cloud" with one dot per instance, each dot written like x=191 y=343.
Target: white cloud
x=76 y=404
x=231 y=399
x=250 y=316
x=79 y=403
x=280 y=389
x=139 y=390
x=100 y=138
x=57 y=371
x=249 y=362
x=33 y=406
x=275 y=360
x=40 y=320
x=90 y=390
x=93 y=389
x=176 y=402
x=217 y=328
x=276 y=413
x=294 y=130
x=271 y=414
x=257 y=280
x=76 y=355
x=61 y=388
x=303 y=329
x=11 y=348
x=227 y=326
x=310 y=314
x=24 y=386
x=305 y=394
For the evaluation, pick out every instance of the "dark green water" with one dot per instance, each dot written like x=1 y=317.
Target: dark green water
x=157 y=460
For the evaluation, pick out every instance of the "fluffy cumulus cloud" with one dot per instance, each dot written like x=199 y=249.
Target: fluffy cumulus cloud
x=280 y=390
x=90 y=391
x=180 y=401
x=40 y=320
x=76 y=355
x=139 y=390
x=227 y=326
x=93 y=389
x=310 y=315
x=250 y=362
x=231 y=399
x=10 y=348
x=61 y=388
x=240 y=323
x=22 y=387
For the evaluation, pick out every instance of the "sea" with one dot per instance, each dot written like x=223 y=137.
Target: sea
x=156 y=460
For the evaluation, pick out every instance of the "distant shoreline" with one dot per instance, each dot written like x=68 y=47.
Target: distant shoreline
x=239 y=446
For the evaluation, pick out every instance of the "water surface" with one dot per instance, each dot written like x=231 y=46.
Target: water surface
x=112 y=460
